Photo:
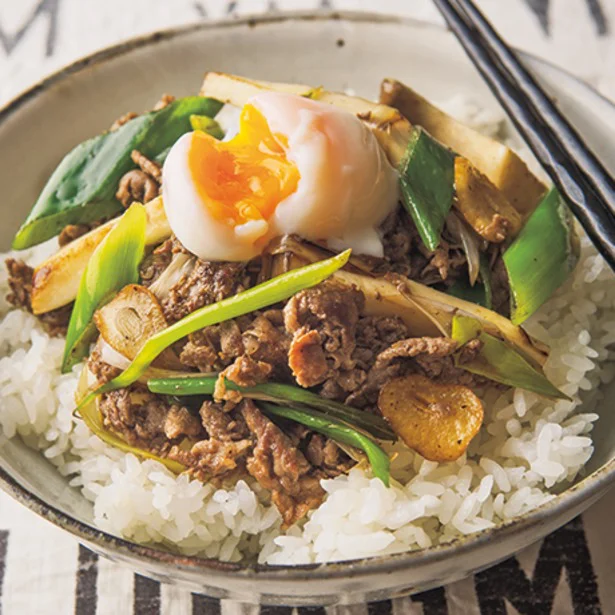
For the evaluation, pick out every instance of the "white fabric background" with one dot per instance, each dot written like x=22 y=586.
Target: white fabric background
x=38 y=36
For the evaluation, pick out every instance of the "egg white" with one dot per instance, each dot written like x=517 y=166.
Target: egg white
x=190 y=219
x=346 y=188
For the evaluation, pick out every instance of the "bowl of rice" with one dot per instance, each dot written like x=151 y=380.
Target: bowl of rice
x=535 y=464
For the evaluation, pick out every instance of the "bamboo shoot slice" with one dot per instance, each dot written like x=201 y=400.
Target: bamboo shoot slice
x=497 y=161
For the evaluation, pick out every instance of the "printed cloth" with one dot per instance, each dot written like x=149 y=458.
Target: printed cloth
x=44 y=571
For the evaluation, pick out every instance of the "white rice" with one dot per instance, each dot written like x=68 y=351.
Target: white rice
x=528 y=449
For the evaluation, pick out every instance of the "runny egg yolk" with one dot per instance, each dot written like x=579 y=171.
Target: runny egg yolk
x=244 y=179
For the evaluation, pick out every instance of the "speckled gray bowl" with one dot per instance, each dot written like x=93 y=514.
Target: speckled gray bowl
x=338 y=51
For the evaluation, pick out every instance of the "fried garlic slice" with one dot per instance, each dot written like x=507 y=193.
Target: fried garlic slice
x=438 y=421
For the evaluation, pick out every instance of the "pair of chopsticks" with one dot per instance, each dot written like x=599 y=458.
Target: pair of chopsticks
x=580 y=177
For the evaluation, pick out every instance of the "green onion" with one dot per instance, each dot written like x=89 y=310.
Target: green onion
x=206 y=124
x=427 y=177
x=338 y=431
x=83 y=186
x=113 y=265
x=279 y=393
x=277 y=289
x=499 y=362
x=541 y=257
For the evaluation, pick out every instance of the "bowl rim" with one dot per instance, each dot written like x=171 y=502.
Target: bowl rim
x=591 y=486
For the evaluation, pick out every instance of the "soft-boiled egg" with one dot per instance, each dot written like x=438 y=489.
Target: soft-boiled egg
x=295 y=166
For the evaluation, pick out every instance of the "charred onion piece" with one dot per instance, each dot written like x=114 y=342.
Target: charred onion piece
x=483 y=206
x=438 y=421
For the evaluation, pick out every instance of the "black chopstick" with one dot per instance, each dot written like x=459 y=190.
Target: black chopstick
x=572 y=143
x=588 y=204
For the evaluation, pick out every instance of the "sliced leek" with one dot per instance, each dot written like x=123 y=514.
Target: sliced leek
x=499 y=362
x=114 y=265
x=542 y=256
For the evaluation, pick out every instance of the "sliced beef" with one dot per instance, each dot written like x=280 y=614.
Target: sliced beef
x=56 y=321
x=307 y=358
x=399 y=240
x=221 y=425
x=246 y=372
x=280 y=467
x=434 y=347
x=149 y=167
x=146 y=420
x=206 y=283
x=445 y=265
x=217 y=459
x=323 y=322
x=266 y=340
x=181 y=422
x=324 y=454
x=431 y=356
x=202 y=351
x=224 y=451
x=406 y=254
x=136 y=186
x=260 y=337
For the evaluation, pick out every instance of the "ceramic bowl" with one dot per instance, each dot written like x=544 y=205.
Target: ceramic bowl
x=338 y=51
